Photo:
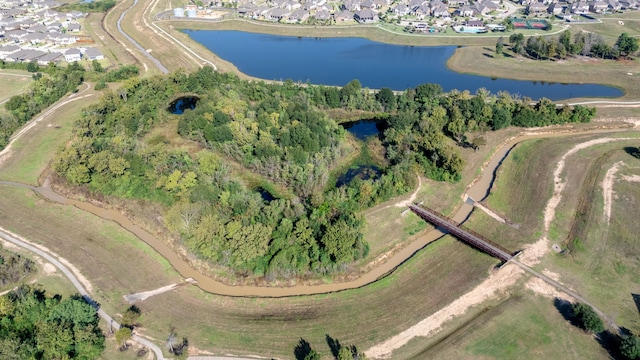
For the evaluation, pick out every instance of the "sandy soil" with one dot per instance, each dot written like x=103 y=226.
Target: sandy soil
x=493 y=286
x=607 y=189
x=412 y=198
x=631 y=178
x=133 y=298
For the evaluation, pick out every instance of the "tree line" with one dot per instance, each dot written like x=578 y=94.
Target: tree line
x=564 y=45
x=283 y=134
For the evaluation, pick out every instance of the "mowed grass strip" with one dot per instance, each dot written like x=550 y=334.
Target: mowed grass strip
x=482 y=61
x=13 y=83
x=34 y=150
x=526 y=326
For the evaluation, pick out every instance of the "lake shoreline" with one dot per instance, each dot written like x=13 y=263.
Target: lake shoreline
x=482 y=66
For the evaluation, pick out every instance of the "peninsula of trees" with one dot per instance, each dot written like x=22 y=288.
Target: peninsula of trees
x=283 y=136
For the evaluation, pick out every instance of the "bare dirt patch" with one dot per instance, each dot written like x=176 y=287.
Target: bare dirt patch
x=607 y=189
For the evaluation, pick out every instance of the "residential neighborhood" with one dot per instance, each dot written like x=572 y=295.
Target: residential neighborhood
x=33 y=31
x=416 y=12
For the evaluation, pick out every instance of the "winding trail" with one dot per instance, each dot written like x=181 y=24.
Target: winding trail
x=58 y=262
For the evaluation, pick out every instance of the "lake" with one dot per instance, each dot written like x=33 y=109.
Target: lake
x=336 y=61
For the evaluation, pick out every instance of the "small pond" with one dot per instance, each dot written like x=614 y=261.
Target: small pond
x=362 y=129
x=266 y=195
x=179 y=105
x=364 y=172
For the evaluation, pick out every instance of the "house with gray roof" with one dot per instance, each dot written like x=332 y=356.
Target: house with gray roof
x=344 y=16
x=25 y=55
x=299 y=16
x=322 y=15
x=93 y=54
x=73 y=27
x=366 y=16
x=8 y=50
x=72 y=55
x=52 y=57
x=35 y=38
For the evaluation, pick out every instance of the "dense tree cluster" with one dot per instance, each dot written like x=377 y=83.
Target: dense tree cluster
x=583 y=43
x=281 y=134
x=44 y=91
x=34 y=326
x=88 y=6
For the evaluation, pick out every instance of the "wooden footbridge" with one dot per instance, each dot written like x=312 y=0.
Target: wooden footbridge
x=468 y=236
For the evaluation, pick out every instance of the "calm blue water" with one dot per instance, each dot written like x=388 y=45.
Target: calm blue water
x=178 y=106
x=336 y=61
x=362 y=129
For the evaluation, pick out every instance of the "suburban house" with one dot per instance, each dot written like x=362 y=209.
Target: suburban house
x=344 y=16
x=25 y=55
x=365 y=16
x=52 y=57
x=579 y=8
x=73 y=27
x=537 y=8
x=322 y=15
x=93 y=54
x=8 y=50
x=62 y=39
x=72 y=55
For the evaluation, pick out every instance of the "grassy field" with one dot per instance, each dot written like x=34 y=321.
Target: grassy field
x=525 y=326
x=33 y=152
x=605 y=259
x=481 y=60
x=13 y=83
x=604 y=267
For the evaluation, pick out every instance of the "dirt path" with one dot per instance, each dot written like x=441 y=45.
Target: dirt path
x=607 y=189
x=412 y=198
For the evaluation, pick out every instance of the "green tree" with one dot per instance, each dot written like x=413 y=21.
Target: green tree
x=131 y=316
x=32 y=66
x=122 y=336
x=345 y=353
x=312 y=355
x=386 y=98
x=630 y=346
x=499 y=46
x=587 y=318
x=626 y=45
x=517 y=42
x=97 y=67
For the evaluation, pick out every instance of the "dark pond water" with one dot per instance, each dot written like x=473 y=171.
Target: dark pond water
x=363 y=129
x=266 y=196
x=178 y=106
x=364 y=172
x=336 y=61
